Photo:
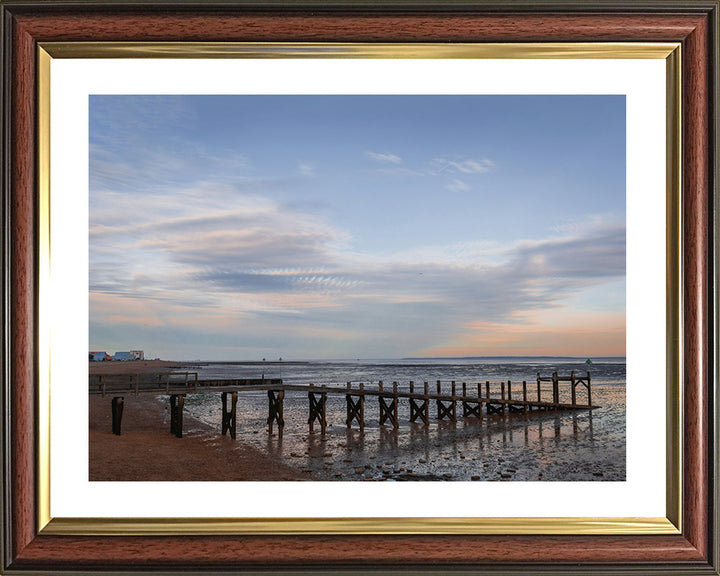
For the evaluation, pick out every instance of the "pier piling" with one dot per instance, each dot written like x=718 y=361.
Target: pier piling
x=177 y=403
x=445 y=408
x=275 y=410
x=419 y=407
x=355 y=407
x=317 y=409
x=388 y=410
x=229 y=417
x=117 y=411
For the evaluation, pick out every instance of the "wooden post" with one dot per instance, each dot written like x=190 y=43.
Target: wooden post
x=388 y=411
x=480 y=406
x=317 y=409
x=556 y=389
x=275 y=409
x=173 y=413
x=117 y=411
x=362 y=407
x=464 y=389
x=355 y=408
x=524 y=391
x=487 y=389
x=572 y=387
x=472 y=408
x=509 y=390
x=223 y=399
x=589 y=389
x=177 y=402
x=229 y=417
x=444 y=409
x=438 y=401
x=180 y=406
x=233 y=411
x=419 y=408
x=454 y=403
x=412 y=387
x=538 y=387
x=380 y=385
x=502 y=390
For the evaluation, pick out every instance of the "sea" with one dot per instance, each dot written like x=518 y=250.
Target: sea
x=583 y=445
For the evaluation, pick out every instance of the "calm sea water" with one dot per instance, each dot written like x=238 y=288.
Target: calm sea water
x=580 y=445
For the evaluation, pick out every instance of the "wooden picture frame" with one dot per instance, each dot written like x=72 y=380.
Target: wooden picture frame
x=29 y=547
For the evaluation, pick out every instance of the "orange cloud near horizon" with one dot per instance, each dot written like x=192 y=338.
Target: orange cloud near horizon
x=587 y=334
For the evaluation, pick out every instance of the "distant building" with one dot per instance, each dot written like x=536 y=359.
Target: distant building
x=139 y=354
x=123 y=356
x=99 y=356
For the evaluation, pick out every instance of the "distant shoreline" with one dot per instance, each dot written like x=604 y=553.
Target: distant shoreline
x=162 y=365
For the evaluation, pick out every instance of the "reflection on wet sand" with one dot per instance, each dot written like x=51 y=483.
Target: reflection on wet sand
x=544 y=446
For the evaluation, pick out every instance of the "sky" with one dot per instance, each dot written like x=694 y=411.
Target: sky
x=327 y=227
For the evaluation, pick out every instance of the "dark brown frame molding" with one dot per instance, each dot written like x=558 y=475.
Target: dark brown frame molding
x=693 y=23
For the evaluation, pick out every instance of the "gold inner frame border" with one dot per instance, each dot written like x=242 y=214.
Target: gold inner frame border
x=670 y=524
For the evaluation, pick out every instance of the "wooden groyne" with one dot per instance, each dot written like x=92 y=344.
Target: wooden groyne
x=496 y=400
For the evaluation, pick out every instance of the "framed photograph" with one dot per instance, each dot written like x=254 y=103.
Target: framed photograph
x=365 y=287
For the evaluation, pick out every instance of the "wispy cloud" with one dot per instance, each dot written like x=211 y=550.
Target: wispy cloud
x=385 y=158
x=457 y=185
x=306 y=169
x=463 y=166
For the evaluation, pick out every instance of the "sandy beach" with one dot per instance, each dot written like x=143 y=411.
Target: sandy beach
x=147 y=451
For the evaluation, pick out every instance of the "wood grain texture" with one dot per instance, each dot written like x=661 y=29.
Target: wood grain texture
x=360 y=28
x=359 y=550
x=696 y=199
x=22 y=291
x=688 y=552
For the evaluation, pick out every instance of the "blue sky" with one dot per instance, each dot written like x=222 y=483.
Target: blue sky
x=243 y=227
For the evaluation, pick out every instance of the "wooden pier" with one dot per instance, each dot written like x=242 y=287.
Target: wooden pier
x=497 y=400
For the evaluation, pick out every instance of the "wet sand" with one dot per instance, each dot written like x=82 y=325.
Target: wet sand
x=147 y=451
